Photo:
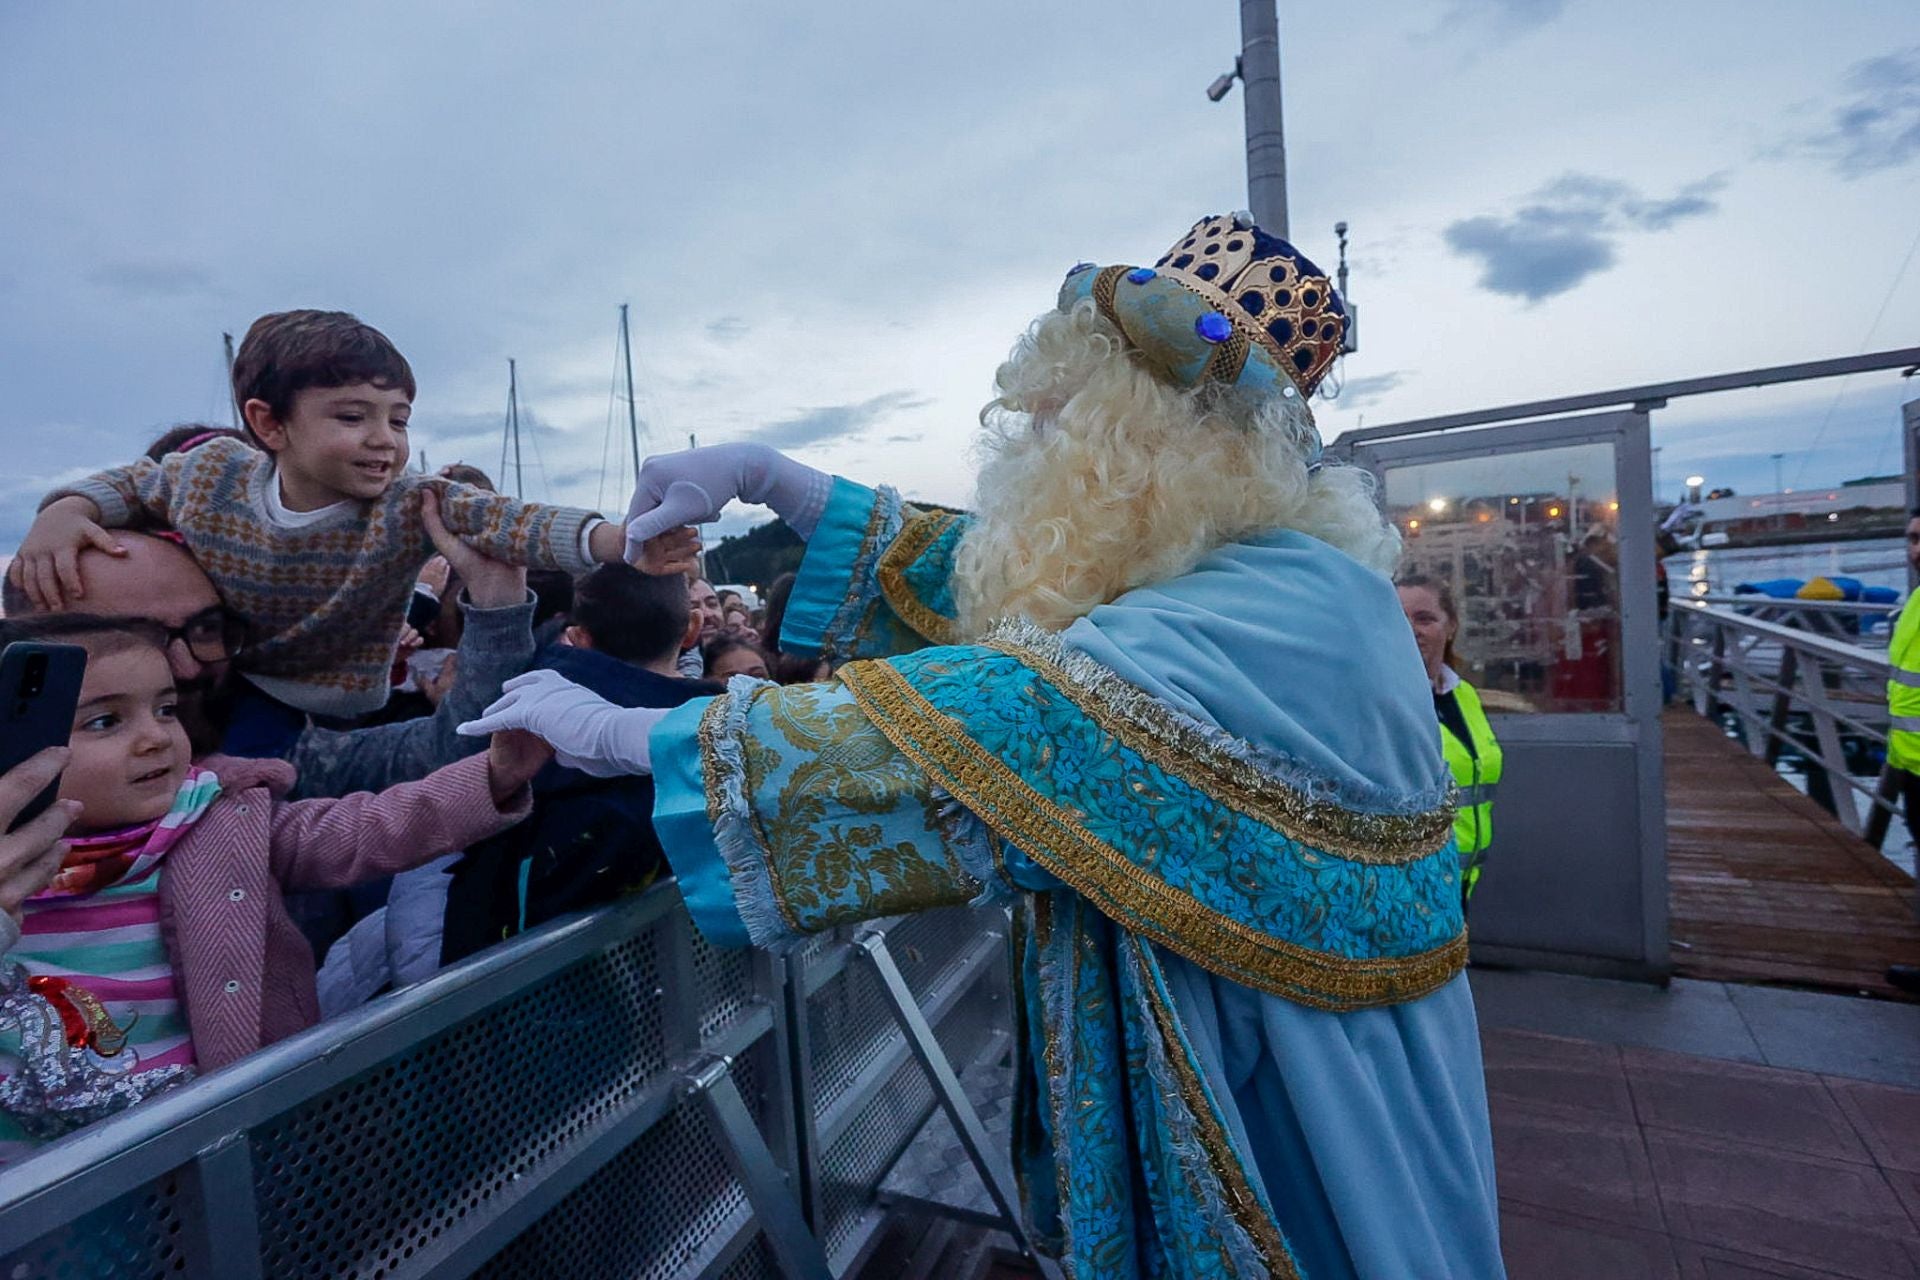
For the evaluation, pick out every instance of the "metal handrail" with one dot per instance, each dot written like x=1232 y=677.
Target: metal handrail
x=1768 y=673
x=1756 y=601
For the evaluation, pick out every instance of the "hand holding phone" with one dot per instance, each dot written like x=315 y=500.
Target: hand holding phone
x=31 y=851
x=39 y=692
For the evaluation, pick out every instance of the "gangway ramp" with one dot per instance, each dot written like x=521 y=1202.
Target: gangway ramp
x=1767 y=886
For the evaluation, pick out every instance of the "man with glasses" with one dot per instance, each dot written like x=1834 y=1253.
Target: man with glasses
x=158 y=580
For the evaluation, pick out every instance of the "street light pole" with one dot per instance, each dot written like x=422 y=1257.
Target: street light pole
x=1266 y=139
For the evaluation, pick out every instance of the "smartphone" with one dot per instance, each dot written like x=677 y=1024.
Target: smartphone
x=39 y=693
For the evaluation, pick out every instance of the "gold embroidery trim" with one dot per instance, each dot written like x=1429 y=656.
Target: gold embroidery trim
x=830 y=645
x=1375 y=839
x=1129 y=894
x=922 y=530
x=711 y=766
x=712 y=722
x=1227 y=1167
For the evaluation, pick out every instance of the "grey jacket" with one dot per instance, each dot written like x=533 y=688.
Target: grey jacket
x=496 y=646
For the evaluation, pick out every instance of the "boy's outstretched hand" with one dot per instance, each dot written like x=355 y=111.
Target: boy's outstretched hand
x=677 y=551
x=513 y=757
x=47 y=566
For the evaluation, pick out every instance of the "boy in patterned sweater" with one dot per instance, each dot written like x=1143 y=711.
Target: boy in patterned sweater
x=315 y=537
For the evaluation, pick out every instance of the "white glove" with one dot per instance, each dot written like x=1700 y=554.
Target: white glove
x=586 y=731
x=693 y=486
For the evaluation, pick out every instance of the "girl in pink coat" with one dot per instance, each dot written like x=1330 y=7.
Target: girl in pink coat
x=162 y=946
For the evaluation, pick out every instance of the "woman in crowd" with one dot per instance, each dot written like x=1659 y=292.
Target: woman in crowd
x=734 y=652
x=1473 y=753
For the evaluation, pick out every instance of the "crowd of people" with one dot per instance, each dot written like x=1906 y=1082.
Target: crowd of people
x=265 y=812
x=343 y=723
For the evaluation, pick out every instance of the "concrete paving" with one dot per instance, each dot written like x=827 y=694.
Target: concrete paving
x=1702 y=1132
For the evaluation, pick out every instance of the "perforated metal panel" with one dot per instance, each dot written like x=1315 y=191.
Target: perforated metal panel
x=755 y=1263
x=655 y=1210
x=356 y=1180
x=851 y=1028
x=723 y=984
x=374 y=1171
x=136 y=1236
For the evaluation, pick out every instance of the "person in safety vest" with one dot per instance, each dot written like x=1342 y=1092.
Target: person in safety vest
x=1903 y=732
x=1473 y=753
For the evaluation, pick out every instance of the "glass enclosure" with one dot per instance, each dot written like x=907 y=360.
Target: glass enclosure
x=1528 y=545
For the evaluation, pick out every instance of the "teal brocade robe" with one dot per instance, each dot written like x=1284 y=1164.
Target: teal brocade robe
x=1219 y=806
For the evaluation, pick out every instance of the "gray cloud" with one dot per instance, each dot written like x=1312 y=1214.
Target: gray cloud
x=1878 y=126
x=1568 y=230
x=727 y=329
x=836 y=422
x=1358 y=393
x=154 y=278
x=1498 y=17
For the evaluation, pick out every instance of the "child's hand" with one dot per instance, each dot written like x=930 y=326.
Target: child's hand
x=436 y=573
x=47 y=566
x=677 y=551
x=490 y=583
x=436 y=687
x=513 y=757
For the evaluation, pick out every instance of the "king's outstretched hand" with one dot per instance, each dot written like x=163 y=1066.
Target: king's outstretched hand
x=586 y=731
x=693 y=487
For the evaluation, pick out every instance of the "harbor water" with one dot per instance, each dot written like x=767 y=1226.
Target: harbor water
x=1877 y=562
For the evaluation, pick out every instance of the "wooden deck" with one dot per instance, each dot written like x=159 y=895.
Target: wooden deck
x=1766 y=886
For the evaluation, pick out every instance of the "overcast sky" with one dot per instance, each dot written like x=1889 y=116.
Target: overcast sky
x=832 y=220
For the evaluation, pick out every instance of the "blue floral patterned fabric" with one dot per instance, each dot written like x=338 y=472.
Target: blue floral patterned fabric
x=1159 y=853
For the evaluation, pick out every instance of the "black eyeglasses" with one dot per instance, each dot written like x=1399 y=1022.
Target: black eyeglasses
x=215 y=634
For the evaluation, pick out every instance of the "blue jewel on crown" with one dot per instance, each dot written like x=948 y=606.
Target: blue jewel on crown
x=1140 y=275
x=1078 y=267
x=1214 y=327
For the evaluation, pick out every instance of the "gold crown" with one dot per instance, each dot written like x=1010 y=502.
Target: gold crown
x=1284 y=302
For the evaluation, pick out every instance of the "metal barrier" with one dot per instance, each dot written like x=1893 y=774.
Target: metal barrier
x=1853 y=621
x=1778 y=675
x=607 y=1096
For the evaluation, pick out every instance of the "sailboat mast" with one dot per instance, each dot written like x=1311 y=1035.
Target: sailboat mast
x=513 y=423
x=633 y=414
x=233 y=402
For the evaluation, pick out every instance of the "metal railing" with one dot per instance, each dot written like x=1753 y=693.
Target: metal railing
x=608 y=1096
x=1793 y=685
x=1853 y=621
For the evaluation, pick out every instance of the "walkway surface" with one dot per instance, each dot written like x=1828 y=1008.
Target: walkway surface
x=1766 y=886
x=1703 y=1132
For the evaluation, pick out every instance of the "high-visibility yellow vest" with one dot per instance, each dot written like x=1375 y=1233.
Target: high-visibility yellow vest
x=1903 y=691
x=1476 y=774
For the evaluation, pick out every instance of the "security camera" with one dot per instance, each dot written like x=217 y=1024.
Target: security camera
x=1222 y=86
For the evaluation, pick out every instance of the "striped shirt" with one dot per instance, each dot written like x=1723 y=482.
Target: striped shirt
x=108 y=942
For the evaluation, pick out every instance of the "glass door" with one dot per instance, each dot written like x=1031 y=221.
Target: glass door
x=1544 y=535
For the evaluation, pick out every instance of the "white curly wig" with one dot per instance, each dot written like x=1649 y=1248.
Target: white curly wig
x=1097 y=477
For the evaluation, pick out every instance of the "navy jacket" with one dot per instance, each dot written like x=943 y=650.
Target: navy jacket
x=589 y=839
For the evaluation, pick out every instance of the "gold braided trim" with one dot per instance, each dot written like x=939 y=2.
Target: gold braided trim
x=1227 y=1166
x=1055 y=838
x=922 y=530
x=711 y=765
x=1105 y=285
x=1203 y=759
x=830 y=645
x=1227 y=360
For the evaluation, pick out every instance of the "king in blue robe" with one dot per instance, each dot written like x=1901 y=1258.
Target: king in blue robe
x=1215 y=802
